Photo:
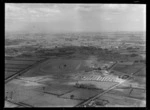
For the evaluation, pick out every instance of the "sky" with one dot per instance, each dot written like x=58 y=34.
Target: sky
x=47 y=18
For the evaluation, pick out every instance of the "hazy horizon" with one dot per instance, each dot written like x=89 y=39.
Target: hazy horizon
x=68 y=18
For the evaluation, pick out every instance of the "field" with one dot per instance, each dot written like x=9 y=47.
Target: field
x=121 y=101
x=57 y=89
x=128 y=69
x=28 y=92
x=13 y=66
x=51 y=83
x=138 y=93
x=19 y=62
x=12 y=70
x=99 y=85
x=82 y=94
x=140 y=80
x=28 y=59
x=120 y=92
x=16 y=66
x=141 y=73
x=8 y=74
x=48 y=100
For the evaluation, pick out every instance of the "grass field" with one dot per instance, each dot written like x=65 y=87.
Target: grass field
x=120 y=92
x=138 y=93
x=120 y=101
x=27 y=92
x=82 y=94
x=8 y=74
x=19 y=62
x=128 y=69
x=16 y=66
x=22 y=90
x=63 y=66
x=142 y=72
x=11 y=70
x=27 y=58
x=47 y=100
x=99 y=85
x=58 y=89
x=50 y=84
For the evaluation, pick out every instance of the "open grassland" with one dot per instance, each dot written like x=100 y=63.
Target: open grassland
x=128 y=69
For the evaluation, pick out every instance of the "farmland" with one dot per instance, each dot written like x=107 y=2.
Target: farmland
x=67 y=71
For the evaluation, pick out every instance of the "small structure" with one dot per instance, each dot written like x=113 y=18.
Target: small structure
x=104 y=72
x=101 y=102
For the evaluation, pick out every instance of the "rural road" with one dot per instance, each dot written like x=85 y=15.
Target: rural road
x=93 y=98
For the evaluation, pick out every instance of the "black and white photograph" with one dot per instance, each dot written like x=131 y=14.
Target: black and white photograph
x=75 y=55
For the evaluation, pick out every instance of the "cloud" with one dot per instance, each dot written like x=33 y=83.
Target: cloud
x=78 y=16
x=11 y=7
x=114 y=6
x=26 y=10
x=86 y=7
x=48 y=10
x=102 y=7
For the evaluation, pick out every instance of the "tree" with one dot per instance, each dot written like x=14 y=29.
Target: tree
x=133 y=55
x=72 y=96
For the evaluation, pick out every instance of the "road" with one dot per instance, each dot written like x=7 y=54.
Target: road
x=93 y=98
x=24 y=70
